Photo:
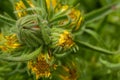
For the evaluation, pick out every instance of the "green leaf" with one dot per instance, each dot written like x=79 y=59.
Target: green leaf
x=58 y=18
x=95 y=48
x=100 y=13
x=7 y=20
x=95 y=36
x=115 y=66
x=24 y=57
x=92 y=33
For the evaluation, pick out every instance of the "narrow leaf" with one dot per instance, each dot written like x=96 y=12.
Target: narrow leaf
x=95 y=48
x=25 y=57
x=100 y=13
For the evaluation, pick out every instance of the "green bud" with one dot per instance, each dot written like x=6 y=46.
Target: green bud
x=29 y=32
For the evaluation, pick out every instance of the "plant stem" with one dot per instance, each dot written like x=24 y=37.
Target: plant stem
x=95 y=48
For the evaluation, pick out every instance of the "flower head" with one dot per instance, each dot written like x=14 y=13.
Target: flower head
x=62 y=38
x=65 y=40
x=74 y=15
x=20 y=7
x=71 y=72
x=41 y=67
x=9 y=43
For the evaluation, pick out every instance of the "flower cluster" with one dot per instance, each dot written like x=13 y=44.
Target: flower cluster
x=50 y=40
x=52 y=25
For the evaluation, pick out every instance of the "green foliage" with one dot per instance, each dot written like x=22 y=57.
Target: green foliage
x=96 y=55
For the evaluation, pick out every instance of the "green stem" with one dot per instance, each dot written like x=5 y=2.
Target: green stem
x=25 y=57
x=110 y=65
x=100 y=13
x=95 y=36
x=102 y=24
x=95 y=48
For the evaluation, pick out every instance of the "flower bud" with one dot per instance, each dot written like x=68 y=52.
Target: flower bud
x=29 y=31
x=62 y=39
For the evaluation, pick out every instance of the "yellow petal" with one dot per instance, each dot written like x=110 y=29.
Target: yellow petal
x=51 y=2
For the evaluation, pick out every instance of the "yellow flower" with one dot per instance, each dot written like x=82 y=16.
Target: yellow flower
x=41 y=68
x=71 y=72
x=65 y=40
x=19 y=7
x=51 y=2
x=72 y=75
x=75 y=16
x=64 y=8
x=9 y=43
